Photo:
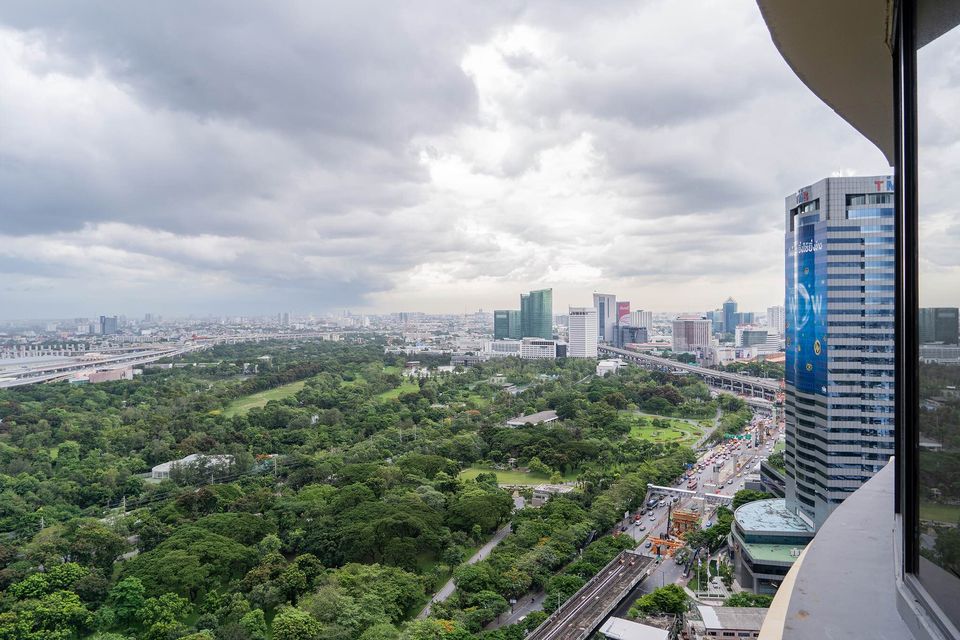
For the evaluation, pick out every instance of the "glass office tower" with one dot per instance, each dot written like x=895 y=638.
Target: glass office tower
x=839 y=340
x=506 y=324
x=536 y=314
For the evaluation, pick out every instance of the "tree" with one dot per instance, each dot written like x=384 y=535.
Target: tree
x=433 y=629
x=382 y=631
x=745 y=496
x=294 y=624
x=167 y=609
x=668 y=599
x=255 y=625
x=536 y=466
x=127 y=598
x=60 y=611
x=747 y=599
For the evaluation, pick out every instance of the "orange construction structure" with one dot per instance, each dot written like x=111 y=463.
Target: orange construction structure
x=665 y=546
x=683 y=521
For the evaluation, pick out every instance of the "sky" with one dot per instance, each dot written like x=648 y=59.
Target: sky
x=250 y=157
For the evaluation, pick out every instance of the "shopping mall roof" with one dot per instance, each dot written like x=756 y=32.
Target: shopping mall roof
x=770 y=515
x=764 y=553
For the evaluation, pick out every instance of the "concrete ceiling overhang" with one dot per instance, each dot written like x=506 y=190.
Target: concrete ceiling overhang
x=841 y=51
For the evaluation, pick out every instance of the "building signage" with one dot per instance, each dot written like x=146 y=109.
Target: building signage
x=806 y=309
x=885 y=184
x=623 y=309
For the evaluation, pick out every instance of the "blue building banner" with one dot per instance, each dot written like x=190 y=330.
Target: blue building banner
x=806 y=308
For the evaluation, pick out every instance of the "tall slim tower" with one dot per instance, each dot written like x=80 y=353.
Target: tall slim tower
x=775 y=319
x=536 y=314
x=606 y=306
x=582 y=336
x=730 y=316
x=839 y=340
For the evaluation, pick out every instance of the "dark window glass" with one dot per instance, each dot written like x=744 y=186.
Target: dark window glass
x=938 y=99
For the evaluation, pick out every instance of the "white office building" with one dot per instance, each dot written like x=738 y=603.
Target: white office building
x=582 y=333
x=501 y=348
x=642 y=319
x=775 y=319
x=538 y=349
x=606 y=306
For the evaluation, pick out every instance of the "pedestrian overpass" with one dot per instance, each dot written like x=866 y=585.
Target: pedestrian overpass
x=711 y=498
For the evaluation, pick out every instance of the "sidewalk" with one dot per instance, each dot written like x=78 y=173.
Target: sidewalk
x=447 y=589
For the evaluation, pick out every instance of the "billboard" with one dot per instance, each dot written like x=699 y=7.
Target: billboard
x=806 y=309
x=623 y=309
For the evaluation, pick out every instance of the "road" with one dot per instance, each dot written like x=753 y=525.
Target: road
x=527 y=605
x=727 y=481
x=447 y=589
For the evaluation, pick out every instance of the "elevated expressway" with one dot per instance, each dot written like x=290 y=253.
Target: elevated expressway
x=755 y=387
x=61 y=369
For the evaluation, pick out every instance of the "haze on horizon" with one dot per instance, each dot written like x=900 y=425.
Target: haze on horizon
x=436 y=156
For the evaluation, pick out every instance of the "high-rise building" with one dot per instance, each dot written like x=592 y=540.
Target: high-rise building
x=606 y=306
x=747 y=336
x=536 y=314
x=582 y=333
x=629 y=334
x=506 y=324
x=691 y=335
x=642 y=319
x=939 y=324
x=108 y=325
x=839 y=340
x=775 y=318
x=501 y=324
x=623 y=312
x=730 y=315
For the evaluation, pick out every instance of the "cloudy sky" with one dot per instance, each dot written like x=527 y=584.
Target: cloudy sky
x=252 y=157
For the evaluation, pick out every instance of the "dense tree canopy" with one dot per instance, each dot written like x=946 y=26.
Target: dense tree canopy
x=346 y=503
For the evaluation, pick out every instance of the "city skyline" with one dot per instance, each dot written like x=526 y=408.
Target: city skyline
x=499 y=157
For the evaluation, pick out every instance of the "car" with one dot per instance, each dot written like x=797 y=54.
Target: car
x=623 y=528
x=729 y=481
x=643 y=512
x=662 y=503
x=648 y=545
x=709 y=523
x=653 y=518
x=641 y=527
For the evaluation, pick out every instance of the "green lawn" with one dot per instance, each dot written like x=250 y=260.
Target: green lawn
x=513 y=477
x=680 y=431
x=940 y=512
x=779 y=446
x=406 y=386
x=241 y=406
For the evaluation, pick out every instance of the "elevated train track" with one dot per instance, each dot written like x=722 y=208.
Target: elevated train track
x=746 y=385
